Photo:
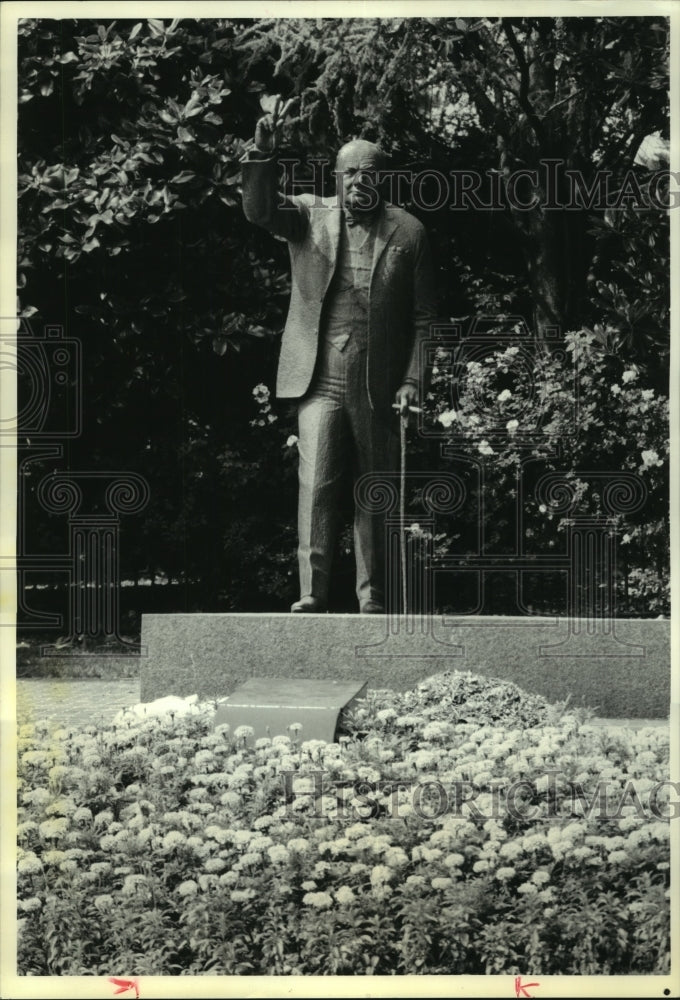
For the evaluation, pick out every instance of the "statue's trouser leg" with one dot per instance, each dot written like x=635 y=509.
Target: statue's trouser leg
x=323 y=456
x=375 y=449
x=336 y=425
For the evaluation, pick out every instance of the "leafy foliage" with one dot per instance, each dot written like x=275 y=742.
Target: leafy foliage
x=581 y=412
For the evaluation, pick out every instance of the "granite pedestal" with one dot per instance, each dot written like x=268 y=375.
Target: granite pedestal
x=620 y=669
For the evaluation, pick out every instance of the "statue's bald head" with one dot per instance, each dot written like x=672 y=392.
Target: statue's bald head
x=368 y=154
x=357 y=167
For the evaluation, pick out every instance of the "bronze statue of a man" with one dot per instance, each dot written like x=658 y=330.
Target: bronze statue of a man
x=361 y=301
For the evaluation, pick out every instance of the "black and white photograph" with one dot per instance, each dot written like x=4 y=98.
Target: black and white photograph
x=339 y=495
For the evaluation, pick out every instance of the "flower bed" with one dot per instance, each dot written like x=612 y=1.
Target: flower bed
x=463 y=827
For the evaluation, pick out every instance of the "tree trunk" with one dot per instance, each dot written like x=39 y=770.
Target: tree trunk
x=557 y=255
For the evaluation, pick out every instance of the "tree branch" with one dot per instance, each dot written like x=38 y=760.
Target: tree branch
x=564 y=100
x=523 y=96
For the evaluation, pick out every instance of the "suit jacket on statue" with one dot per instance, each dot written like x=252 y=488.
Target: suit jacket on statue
x=401 y=300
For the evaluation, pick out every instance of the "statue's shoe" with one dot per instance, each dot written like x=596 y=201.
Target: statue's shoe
x=371 y=608
x=308 y=606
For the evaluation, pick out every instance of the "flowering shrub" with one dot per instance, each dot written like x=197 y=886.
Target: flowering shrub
x=163 y=845
x=582 y=412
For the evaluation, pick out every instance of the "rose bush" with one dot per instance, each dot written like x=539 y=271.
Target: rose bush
x=432 y=838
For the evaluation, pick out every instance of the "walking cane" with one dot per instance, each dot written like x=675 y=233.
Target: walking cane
x=403 y=424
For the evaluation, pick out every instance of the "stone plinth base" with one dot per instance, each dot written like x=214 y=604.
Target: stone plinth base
x=621 y=669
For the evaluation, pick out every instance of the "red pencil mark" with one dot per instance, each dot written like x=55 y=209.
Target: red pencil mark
x=125 y=984
x=521 y=990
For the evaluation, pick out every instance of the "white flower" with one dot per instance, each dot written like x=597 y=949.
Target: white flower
x=215 y=865
x=242 y=895
x=298 y=844
x=650 y=458
x=54 y=828
x=345 y=896
x=100 y=867
x=251 y=858
x=188 y=888
x=417 y=881
x=132 y=883
x=484 y=448
x=441 y=882
x=382 y=891
x=278 y=854
x=423 y=759
x=262 y=822
x=630 y=375
x=527 y=889
x=61 y=807
x=540 y=877
x=511 y=850
x=30 y=864
x=638 y=837
x=447 y=418
x=615 y=389
x=504 y=396
x=505 y=873
x=574 y=831
x=380 y=875
x=436 y=731
x=217 y=833
x=173 y=839
x=261 y=393
x=422 y=853
x=454 y=860
x=512 y=426
x=304 y=785
x=30 y=904
x=291 y=441
x=38 y=797
x=395 y=857
x=319 y=900
x=35 y=758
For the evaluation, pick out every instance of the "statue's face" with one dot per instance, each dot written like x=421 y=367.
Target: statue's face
x=356 y=172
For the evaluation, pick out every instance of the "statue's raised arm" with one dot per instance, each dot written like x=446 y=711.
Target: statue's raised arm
x=263 y=202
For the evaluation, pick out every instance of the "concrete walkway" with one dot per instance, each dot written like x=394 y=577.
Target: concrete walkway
x=77 y=702
x=74 y=702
